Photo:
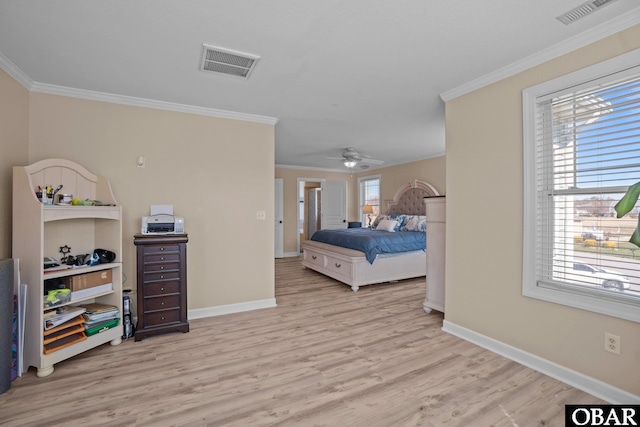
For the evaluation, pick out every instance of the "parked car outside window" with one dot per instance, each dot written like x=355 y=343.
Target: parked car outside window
x=592 y=275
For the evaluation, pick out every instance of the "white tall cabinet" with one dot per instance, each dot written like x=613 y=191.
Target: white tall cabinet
x=41 y=230
x=436 y=224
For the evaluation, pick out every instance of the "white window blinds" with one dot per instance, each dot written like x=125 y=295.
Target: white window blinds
x=587 y=152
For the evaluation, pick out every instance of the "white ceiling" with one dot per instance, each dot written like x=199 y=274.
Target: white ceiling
x=367 y=74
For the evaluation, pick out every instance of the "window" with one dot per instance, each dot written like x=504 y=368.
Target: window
x=369 y=194
x=581 y=152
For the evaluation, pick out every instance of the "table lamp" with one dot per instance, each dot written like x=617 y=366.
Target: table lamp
x=368 y=209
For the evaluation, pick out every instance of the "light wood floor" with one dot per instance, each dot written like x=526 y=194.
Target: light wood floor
x=326 y=356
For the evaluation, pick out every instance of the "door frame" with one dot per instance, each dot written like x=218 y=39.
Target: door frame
x=278 y=218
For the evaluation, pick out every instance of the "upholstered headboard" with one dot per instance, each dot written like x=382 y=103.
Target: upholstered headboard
x=409 y=199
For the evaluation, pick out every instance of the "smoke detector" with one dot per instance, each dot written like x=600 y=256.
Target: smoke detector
x=582 y=11
x=226 y=61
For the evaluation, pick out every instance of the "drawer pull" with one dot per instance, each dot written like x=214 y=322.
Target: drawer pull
x=162 y=267
x=162 y=289
x=314 y=257
x=161 y=258
x=162 y=318
x=162 y=303
x=162 y=277
x=338 y=265
x=162 y=248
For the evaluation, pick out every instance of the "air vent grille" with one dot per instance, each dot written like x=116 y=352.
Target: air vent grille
x=582 y=11
x=225 y=61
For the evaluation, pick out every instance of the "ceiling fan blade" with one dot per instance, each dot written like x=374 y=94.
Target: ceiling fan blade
x=361 y=159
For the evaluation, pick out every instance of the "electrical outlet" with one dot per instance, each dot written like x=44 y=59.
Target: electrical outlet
x=612 y=343
x=261 y=215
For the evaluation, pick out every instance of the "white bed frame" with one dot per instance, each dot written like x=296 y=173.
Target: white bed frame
x=351 y=267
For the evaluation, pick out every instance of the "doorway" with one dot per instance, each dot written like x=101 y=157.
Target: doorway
x=309 y=195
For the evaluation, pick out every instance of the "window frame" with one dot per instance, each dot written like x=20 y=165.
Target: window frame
x=361 y=183
x=562 y=293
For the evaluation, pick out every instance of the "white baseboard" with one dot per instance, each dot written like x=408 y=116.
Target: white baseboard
x=291 y=254
x=199 y=313
x=575 y=379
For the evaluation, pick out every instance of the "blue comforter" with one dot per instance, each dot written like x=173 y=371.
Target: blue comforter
x=373 y=242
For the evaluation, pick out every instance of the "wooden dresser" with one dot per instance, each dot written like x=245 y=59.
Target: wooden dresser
x=162 y=284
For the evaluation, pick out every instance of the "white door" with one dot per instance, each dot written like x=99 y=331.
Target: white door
x=278 y=207
x=334 y=204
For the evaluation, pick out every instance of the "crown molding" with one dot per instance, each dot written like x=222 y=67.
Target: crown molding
x=15 y=72
x=430 y=156
x=596 y=33
x=150 y=103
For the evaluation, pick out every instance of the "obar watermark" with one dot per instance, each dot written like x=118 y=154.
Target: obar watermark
x=601 y=415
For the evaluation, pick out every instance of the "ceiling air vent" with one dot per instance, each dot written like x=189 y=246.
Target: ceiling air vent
x=225 y=61
x=582 y=11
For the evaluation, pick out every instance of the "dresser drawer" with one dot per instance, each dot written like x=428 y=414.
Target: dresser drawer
x=161 y=317
x=166 y=266
x=162 y=303
x=339 y=266
x=314 y=257
x=161 y=288
x=160 y=249
x=161 y=275
x=161 y=257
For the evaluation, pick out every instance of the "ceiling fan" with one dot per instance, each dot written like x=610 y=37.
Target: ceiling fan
x=350 y=158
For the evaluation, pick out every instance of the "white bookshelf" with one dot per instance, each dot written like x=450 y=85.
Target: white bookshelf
x=40 y=230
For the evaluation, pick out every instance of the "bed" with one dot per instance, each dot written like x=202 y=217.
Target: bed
x=345 y=263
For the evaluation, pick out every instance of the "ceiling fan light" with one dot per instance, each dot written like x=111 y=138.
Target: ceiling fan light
x=350 y=163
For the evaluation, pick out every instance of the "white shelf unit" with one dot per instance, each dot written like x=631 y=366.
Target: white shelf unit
x=436 y=208
x=41 y=230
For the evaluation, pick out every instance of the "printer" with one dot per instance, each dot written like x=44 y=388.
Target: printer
x=162 y=221
x=162 y=224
